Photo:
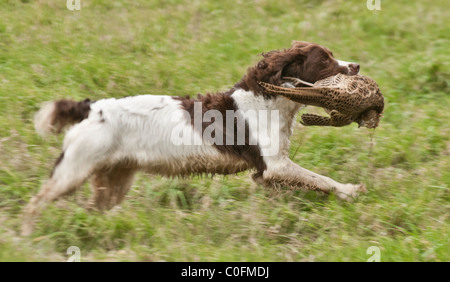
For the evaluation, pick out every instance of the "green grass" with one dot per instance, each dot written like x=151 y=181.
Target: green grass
x=118 y=48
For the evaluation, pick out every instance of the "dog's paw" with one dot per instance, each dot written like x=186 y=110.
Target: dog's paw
x=349 y=192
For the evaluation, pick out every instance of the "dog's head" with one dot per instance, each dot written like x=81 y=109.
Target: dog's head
x=304 y=60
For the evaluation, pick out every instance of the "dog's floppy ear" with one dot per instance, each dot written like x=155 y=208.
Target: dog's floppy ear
x=288 y=62
x=276 y=64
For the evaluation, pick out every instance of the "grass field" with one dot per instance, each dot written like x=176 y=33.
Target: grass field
x=121 y=48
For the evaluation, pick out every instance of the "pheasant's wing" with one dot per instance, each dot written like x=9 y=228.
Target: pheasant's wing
x=304 y=95
x=338 y=119
x=312 y=119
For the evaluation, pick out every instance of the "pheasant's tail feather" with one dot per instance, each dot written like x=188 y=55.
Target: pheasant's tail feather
x=297 y=81
x=273 y=89
x=304 y=95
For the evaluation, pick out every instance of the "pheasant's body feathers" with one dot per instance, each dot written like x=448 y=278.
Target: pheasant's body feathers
x=346 y=98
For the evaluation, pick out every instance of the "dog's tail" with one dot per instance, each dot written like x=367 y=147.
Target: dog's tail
x=55 y=115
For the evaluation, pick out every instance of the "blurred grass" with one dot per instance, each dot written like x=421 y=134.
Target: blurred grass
x=119 y=48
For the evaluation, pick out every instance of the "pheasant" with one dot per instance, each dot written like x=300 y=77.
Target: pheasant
x=345 y=98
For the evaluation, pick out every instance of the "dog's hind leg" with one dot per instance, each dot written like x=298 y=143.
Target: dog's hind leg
x=66 y=178
x=109 y=187
x=84 y=150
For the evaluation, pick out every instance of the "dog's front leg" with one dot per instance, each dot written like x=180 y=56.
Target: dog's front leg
x=285 y=173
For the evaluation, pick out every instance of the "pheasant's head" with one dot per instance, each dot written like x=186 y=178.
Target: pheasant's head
x=369 y=119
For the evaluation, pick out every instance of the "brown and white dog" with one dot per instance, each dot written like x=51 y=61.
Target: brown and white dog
x=223 y=133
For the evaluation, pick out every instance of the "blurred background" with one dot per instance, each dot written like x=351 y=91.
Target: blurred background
x=120 y=48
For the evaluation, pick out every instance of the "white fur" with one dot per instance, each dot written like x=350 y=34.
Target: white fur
x=137 y=128
x=347 y=65
x=43 y=119
x=344 y=63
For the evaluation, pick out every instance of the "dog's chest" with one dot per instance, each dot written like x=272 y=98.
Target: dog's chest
x=270 y=121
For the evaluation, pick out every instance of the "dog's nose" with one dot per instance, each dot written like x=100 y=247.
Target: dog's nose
x=354 y=68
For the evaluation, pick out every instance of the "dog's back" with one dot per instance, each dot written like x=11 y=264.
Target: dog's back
x=149 y=132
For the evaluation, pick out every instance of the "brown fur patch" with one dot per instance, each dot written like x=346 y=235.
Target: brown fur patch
x=223 y=102
x=69 y=112
x=60 y=158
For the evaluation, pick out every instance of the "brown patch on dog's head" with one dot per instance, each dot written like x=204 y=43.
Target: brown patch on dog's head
x=308 y=61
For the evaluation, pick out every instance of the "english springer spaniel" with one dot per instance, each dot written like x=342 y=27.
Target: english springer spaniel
x=224 y=133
